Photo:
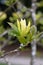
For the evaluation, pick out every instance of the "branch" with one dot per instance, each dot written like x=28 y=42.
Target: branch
x=16 y=50
x=9 y=8
x=33 y=10
x=4 y=33
x=5 y=42
x=40 y=36
x=33 y=43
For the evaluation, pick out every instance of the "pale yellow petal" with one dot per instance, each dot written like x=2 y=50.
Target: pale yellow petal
x=23 y=26
x=18 y=24
x=28 y=28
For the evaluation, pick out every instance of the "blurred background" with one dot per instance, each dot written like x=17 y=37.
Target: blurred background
x=10 y=11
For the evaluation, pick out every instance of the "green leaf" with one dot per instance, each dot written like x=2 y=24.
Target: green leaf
x=33 y=30
x=29 y=37
x=38 y=16
x=41 y=21
x=11 y=19
x=22 y=40
x=40 y=4
x=1 y=29
x=14 y=31
x=9 y=2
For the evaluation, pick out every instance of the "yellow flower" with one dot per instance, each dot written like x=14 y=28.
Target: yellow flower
x=22 y=27
x=21 y=31
x=28 y=27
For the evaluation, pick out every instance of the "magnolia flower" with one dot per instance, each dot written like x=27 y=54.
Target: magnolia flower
x=22 y=27
x=21 y=30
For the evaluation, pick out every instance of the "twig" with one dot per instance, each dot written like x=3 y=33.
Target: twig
x=40 y=36
x=5 y=42
x=33 y=10
x=4 y=33
x=9 y=7
x=16 y=50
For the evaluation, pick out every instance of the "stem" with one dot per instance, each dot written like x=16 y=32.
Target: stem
x=33 y=44
x=33 y=52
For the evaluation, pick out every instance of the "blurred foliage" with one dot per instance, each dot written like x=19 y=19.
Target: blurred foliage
x=41 y=21
x=1 y=53
x=40 y=4
x=9 y=2
x=20 y=10
x=2 y=39
x=1 y=29
x=3 y=16
x=15 y=16
x=3 y=64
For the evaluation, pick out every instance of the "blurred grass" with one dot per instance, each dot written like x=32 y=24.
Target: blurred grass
x=3 y=64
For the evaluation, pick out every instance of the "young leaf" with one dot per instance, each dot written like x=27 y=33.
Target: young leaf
x=14 y=29
x=33 y=30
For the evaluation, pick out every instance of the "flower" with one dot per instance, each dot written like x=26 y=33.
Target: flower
x=22 y=27
x=20 y=30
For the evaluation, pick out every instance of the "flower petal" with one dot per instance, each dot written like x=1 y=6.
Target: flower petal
x=18 y=24
x=28 y=28
x=23 y=26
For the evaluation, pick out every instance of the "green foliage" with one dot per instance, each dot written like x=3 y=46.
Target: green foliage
x=40 y=4
x=38 y=16
x=41 y=41
x=21 y=12
x=1 y=53
x=23 y=32
x=41 y=21
x=3 y=64
x=15 y=16
x=9 y=2
x=2 y=38
x=3 y=16
x=1 y=29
